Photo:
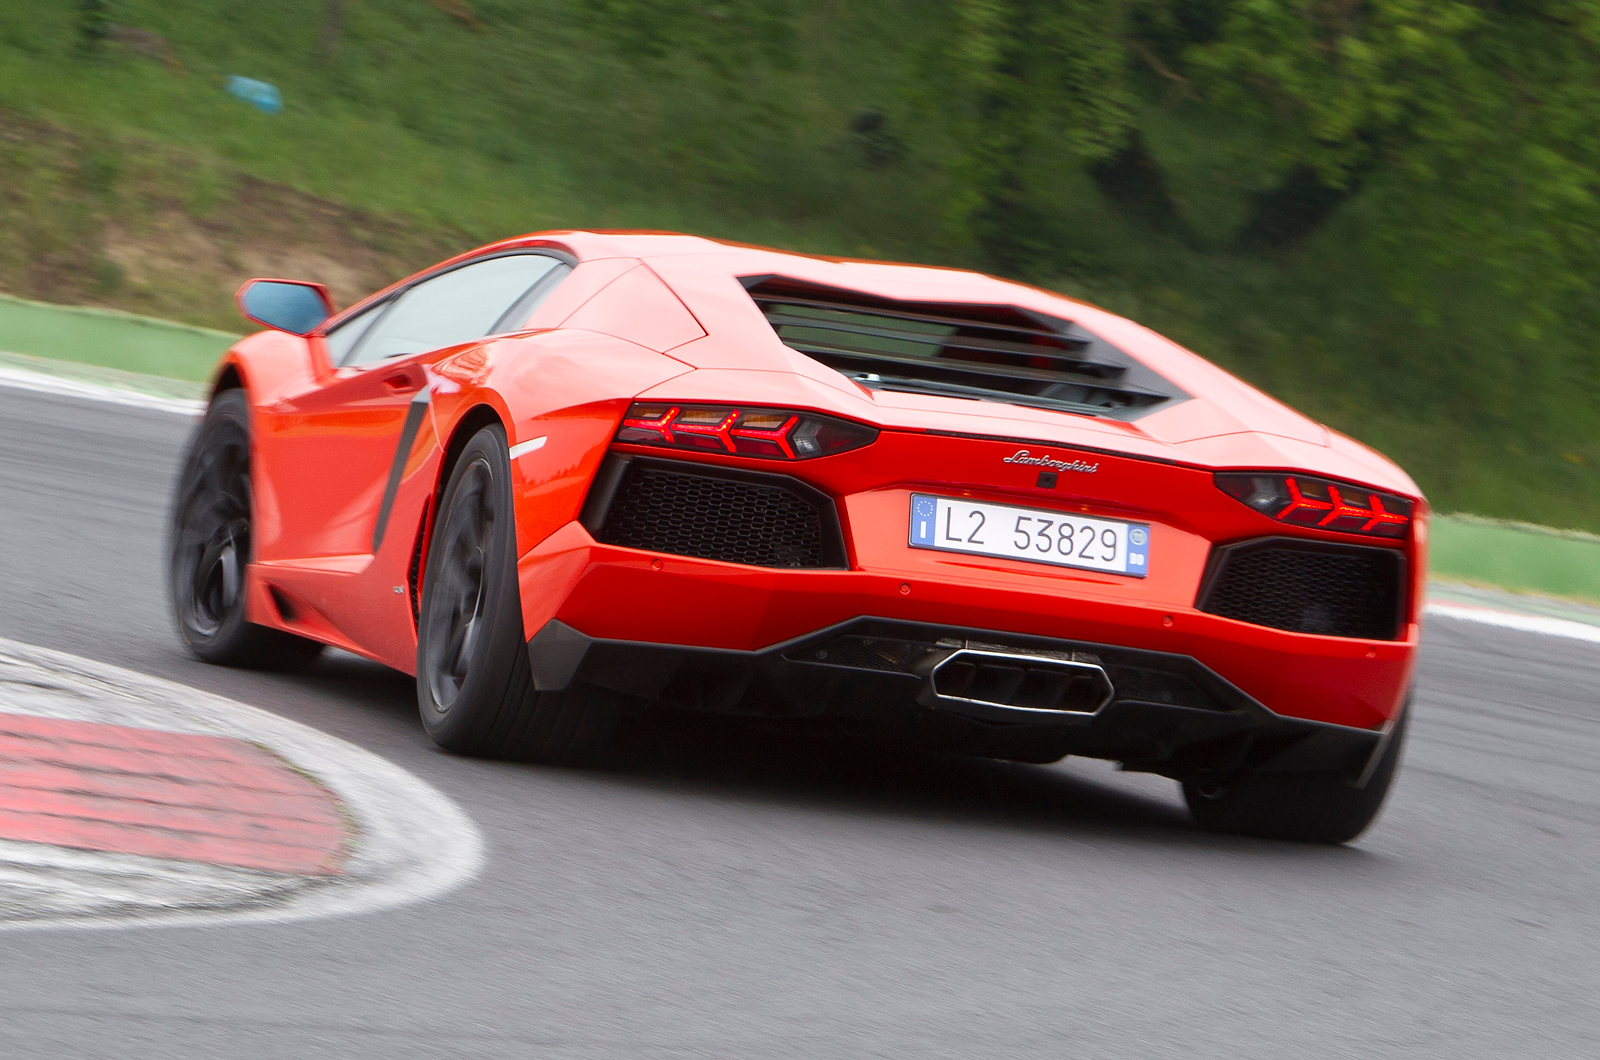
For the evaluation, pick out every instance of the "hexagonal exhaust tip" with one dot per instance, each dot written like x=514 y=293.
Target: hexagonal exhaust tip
x=1032 y=683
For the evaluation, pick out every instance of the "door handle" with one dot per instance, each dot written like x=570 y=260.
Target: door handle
x=402 y=382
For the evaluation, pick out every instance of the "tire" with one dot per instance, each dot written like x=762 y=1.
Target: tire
x=474 y=685
x=1307 y=807
x=209 y=545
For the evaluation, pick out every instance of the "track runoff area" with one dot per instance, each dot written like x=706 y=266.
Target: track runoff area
x=128 y=800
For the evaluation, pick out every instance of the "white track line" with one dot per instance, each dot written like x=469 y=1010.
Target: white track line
x=1549 y=627
x=412 y=842
x=39 y=382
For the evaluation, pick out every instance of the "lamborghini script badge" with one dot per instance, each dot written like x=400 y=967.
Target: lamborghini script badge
x=1021 y=457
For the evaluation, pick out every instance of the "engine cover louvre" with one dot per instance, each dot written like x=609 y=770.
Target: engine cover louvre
x=984 y=352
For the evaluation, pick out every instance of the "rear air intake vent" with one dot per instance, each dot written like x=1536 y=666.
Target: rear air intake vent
x=737 y=517
x=980 y=352
x=1336 y=590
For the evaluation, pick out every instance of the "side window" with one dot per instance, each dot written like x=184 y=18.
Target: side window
x=342 y=339
x=451 y=308
x=516 y=317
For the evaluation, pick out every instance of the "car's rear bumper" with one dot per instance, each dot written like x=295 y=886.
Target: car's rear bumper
x=1166 y=713
x=624 y=595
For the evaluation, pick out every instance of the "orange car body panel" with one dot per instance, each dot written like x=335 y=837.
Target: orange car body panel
x=655 y=316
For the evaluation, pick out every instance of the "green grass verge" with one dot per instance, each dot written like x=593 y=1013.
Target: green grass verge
x=1517 y=556
x=110 y=339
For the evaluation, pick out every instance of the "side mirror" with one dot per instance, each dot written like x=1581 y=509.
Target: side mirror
x=285 y=305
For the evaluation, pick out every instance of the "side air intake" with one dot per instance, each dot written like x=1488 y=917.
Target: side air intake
x=982 y=352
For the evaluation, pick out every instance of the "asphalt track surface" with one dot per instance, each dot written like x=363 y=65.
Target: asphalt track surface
x=747 y=896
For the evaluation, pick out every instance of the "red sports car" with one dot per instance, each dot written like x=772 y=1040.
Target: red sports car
x=578 y=474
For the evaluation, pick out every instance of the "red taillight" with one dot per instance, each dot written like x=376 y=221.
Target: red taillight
x=771 y=434
x=1301 y=500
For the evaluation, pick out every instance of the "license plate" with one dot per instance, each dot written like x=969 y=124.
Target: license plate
x=1030 y=534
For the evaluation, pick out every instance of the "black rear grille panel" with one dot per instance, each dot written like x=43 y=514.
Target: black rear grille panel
x=1133 y=683
x=873 y=653
x=1334 y=590
x=756 y=519
x=993 y=352
x=1137 y=685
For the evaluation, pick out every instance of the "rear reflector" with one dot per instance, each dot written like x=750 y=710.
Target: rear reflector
x=770 y=434
x=1320 y=503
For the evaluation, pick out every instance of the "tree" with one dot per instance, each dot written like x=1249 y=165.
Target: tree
x=1480 y=121
x=1014 y=73
x=1474 y=124
x=1344 y=86
x=94 y=24
x=727 y=36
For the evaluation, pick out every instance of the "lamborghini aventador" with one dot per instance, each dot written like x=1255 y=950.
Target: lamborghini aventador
x=575 y=475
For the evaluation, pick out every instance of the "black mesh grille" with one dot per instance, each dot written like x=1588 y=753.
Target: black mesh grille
x=762 y=523
x=1342 y=592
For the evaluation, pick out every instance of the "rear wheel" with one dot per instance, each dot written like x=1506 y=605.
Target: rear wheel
x=210 y=545
x=1309 y=807
x=474 y=686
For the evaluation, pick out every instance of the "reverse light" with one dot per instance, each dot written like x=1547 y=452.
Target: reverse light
x=1300 y=500
x=772 y=434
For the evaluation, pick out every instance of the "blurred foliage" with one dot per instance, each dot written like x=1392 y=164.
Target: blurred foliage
x=1382 y=211
x=1482 y=117
x=1479 y=121
x=727 y=36
x=94 y=24
x=1013 y=74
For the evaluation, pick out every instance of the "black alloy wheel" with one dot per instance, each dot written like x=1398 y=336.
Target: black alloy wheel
x=1306 y=807
x=474 y=684
x=210 y=545
x=456 y=605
